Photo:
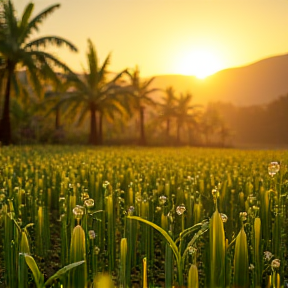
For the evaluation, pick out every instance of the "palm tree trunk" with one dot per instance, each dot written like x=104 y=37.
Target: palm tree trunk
x=93 y=126
x=5 y=124
x=100 y=139
x=142 y=130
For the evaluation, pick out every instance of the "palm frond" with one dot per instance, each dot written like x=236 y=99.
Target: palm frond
x=47 y=56
x=10 y=19
x=25 y=21
x=114 y=104
x=48 y=72
x=146 y=92
x=72 y=97
x=83 y=114
x=73 y=104
x=92 y=77
x=32 y=68
x=117 y=77
x=128 y=73
x=125 y=102
x=134 y=77
x=103 y=70
x=37 y=20
x=109 y=115
x=148 y=83
x=78 y=84
x=72 y=78
x=49 y=40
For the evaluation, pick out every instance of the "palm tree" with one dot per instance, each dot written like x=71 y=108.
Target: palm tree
x=185 y=113
x=139 y=90
x=168 y=108
x=18 y=50
x=95 y=94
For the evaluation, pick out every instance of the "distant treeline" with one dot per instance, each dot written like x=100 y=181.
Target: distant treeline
x=262 y=126
x=222 y=125
x=169 y=118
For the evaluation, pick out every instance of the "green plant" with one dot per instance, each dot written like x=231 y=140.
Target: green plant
x=39 y=277
x=180 y=259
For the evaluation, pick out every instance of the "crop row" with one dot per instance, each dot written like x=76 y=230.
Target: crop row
x=76 y=216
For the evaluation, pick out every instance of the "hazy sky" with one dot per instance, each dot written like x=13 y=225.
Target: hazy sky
x=168 y=36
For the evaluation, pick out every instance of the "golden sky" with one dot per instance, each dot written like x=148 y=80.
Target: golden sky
x=169 y=36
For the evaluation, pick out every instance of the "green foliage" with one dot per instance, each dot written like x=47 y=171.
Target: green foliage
x=39 y=277
x=103 y=195
x=217 y=251
x=16 y=48
x=180 y=259
x=78 y=278
x=241 y=264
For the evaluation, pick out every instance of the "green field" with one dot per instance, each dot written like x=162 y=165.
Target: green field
x=143 y=217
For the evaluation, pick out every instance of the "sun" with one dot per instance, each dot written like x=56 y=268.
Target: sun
x=201 y=64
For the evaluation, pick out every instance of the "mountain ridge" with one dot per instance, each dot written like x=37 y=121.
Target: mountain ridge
x=257 y=83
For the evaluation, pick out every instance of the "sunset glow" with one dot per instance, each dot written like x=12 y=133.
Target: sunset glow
x=199 y=63
x=204 y=36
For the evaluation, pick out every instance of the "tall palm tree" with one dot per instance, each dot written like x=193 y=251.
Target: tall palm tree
x=18 y=50
x=94 y=94
x=168 y=108
x=185 y=113
x=139 y=90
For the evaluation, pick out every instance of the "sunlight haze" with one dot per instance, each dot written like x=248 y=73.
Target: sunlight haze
x=200 y=63
x=163 y=36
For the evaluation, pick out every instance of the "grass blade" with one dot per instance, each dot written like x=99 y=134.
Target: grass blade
x=78 y=278
x=37 y=275
x=193 y=281
x=241 y=264
x=62 y=272
x=217 y=251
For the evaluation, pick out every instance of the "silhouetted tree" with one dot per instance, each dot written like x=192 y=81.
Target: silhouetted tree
x=139 y=90
x=168 y=108
x=16 y=49
x=186 y=114
x=94 y=94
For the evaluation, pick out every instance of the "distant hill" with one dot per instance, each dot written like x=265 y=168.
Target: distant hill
x=257 y=83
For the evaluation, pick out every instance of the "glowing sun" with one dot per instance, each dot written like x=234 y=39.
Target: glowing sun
x=199 y=63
